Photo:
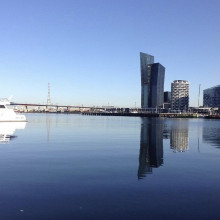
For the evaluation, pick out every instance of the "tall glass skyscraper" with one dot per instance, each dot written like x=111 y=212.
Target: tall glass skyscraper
x=152 y=82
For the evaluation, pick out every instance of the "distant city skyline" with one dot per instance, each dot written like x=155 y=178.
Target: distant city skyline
x=89 y=50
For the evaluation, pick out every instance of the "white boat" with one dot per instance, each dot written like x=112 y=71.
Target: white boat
x=7 y=113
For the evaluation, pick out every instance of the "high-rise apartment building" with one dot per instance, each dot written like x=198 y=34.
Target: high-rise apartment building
x=180 y=95
x=211 y=97
x=152 y=82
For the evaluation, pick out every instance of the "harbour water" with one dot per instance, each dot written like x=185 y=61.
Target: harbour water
x=60 y=166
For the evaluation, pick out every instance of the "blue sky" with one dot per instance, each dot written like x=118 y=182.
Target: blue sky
x=89 y=49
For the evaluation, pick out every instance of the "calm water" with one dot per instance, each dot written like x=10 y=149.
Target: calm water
x=90 y=167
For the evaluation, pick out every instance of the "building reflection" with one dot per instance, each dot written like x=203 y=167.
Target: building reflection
x=179 y=136
x=211 y=135
x=151 y=146
x=7 y=130
x=166 y=132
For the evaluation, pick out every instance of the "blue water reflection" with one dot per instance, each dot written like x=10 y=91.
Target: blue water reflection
x=151 y=146
x=211 y=133
x=87 y=167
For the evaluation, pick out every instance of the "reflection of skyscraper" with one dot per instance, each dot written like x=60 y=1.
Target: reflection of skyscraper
x=152 y=82
x=151 y=146
x=211 y=135
x=166 y=132
x=179 y=138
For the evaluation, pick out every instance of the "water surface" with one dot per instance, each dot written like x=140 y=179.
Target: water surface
x=93 y=167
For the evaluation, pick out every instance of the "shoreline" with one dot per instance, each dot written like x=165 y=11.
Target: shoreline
x=150 y=115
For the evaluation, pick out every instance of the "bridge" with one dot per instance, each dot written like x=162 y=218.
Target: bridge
x=68 y=107
x=52 y=105
x=110 y=110
x=103 y=109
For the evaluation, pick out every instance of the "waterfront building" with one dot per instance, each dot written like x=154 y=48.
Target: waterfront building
x=211 y=97
x=167 y=97
x=167 y=100
x=180 y=95
x=152 y=82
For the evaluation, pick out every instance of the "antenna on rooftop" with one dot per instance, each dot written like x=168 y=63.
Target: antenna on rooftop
x=48 y=96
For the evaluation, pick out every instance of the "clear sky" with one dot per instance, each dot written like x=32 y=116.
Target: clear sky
x=89 y=49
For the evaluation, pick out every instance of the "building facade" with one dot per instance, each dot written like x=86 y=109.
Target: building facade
x=211 y=97
x=167 y=100
x=152 y=82
x=167 y=97
x=180 y=95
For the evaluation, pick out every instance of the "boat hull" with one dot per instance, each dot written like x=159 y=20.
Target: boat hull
x=8 y=115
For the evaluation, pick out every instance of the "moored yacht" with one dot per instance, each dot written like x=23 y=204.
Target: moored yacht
x=7 y=114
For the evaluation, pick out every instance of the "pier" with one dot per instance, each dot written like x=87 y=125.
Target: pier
x=142 y=114
x=121 y=114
